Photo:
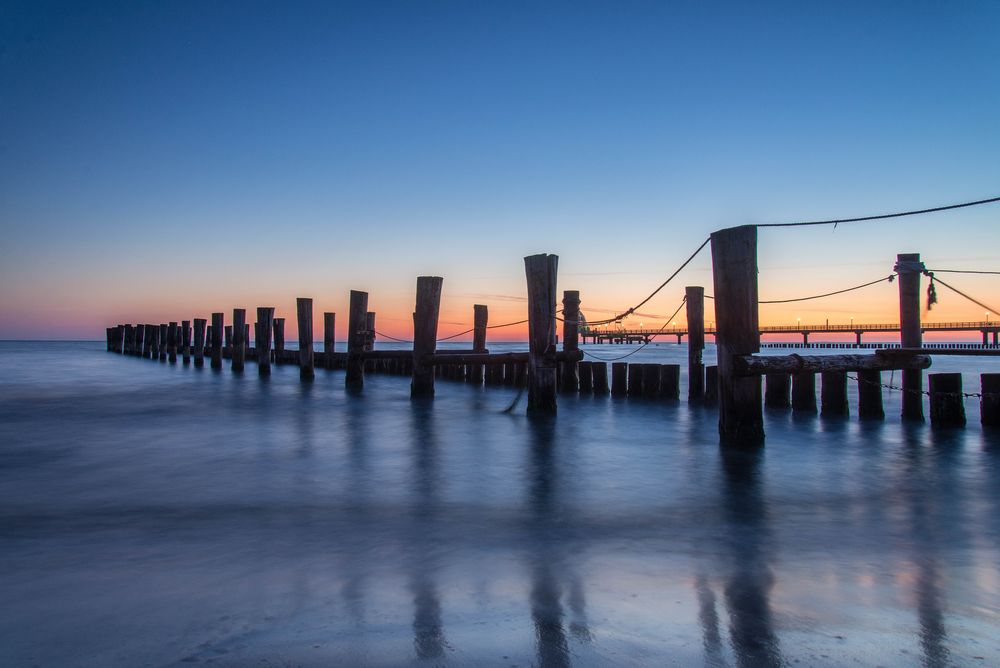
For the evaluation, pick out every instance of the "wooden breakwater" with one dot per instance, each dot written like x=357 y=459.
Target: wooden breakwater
x=733 y=384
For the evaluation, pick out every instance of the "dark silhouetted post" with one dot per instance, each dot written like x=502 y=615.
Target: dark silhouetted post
x=833 y=395
x=947 y=402
x=304 y=311
x=670 y=381
x=199 y=342
x=711 y=384
x=619 y=379
x=870 y=394
x=635 y=380
x=480 y=318
x=265 y=320
x=695 y=306
x=804 y=392
x=599 y=371
x=279 y=340
x=164 y=342
x=540 y=271
x=734 y=272
x=777 y=390
x=186 y=340
x=217 y=330
x=172 y=342
x=586 y=378
x=989 y=406
x=239 y=351
x=425 y=325
x=147 y=341
x=571 y=339
x=909 y=267
x=329 y=337
x=356 y=321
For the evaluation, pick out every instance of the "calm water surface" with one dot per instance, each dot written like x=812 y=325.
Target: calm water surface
x=158 y=515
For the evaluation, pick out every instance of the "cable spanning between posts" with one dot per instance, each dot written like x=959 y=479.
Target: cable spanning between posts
x=629 y=354
x=890 y=278
x=884 y=216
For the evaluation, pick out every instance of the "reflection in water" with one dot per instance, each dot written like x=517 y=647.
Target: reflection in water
x=746 y=591
x=709 y=619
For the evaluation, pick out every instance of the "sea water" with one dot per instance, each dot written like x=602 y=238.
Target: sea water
x=157 y=515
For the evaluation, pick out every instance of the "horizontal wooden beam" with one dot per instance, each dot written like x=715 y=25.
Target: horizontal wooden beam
x=758 y=365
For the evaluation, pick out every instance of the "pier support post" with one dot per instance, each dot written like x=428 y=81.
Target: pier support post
x=804 y=392
x=734 y=271
x=480 y=318
x=833 y=395
x=227 y=348
x=909 y=267
x=425 y=325
x=650 y=380
x=870 y=394
x=695 y=306
x=357 y=319
x=586 y=377
x=619 y=379
x=199 y=342
x=777 y=387
x=186 y=340
x=265 y=320
x=599 y=372
x=218 y=326
x=279 y=340
x=164 y=343
x=304 y=312
x=540 y=271
x=147 y=341
x=635 y=380
x=947 y=402
x=329 y=338
x=571 y=339
x=711 y=384
x=239 y=352
x=670 y=381
x=172 y=342
x=989 y=406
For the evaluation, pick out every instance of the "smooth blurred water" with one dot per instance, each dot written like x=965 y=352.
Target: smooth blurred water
x=157 y=514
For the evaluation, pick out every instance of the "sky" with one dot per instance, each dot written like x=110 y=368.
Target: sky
x=161 y=161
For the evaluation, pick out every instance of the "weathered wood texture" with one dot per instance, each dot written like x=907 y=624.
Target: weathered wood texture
x=425 y=326
x=540 y=272
x=265 y=322
x=357 y=319
x=734 y=274
x=329 y=337
x=695 y=307
x=304 y=314
x=238 y=353
x=759 y=365
x=909 y=267
x=947 y=402
x=570 y=379
x=217 y=330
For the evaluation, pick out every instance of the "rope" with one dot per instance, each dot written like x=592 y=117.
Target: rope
x=615 y=359
x=883 y=216
x=962 y=271
x=954 y=289
x=890 y=278
x=391 y=338
x=506 y=324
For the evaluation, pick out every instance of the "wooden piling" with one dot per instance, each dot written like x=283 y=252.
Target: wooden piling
x=279 y=340
x=734 y=273
x=217 y=330
x=619 y=379
x=540 y=272
x=172 y=342
x=199 y=342
x=425 y=326
x=870 y=394
x=909 y=268
x=711 y=384
x=227 y=348
x=947 y=401
x=586 y=377
x=147 y=341
x=239 y=351
x=265 y=321
x=777 y=390
x=635 y=380
x=186 y=340
x=989 y=403
x=164 y=343
x=480 y=318
x=804 y=392
x=670 y=381
x=304 y=313
x=329 y=338
x=599 y=373
x=154 y=342
x=695 y=306
x=570 y=378
x=833 y=394
x=357 y=319
x=650 y=380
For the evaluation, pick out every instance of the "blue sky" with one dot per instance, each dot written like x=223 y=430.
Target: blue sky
x=161 y=157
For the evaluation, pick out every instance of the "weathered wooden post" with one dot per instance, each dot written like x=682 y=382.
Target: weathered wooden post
x=909 y=267
x=304 y=311
x=833 y=394
x=172 y=342
x=425 y=325
x=227 y=348
x=329 y=337
x=670 y=381
x=804 y=392
x=186 y=340
x=199 y=342
x=650 y=380
x=571 y=339
x=164 y=343
x=239 y=351
x=599 y=370
x=870 y=394
x=695 y=305
x=619 y=379
x=989 y=406
x=369 y=330
x=540 y=271
x=586 y=377
x=217 y=330
x=711 y=384
x=265 y=320
x=356 y=321
x=279 y=340
x=734 y=272
x=777 y=388
x=947 y=401
x=480 y=318
x=634 y=380
x=147 y=341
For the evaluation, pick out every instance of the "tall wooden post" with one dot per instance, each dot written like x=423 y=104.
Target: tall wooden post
x=571 y=339
x=265 y=318
x=279 y=340
x=199 y=342
x=356 y=321
x=695 y=306
x=425 y=325
x=541 y=271
x=909 y=267
x=734 y=272
x=304 y=310
x=217 y=329
x=239 y=351
x=329 y=337
x=186 y=340
x=480 y=318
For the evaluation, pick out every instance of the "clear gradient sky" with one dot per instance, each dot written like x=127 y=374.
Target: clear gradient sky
x=162 y=160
